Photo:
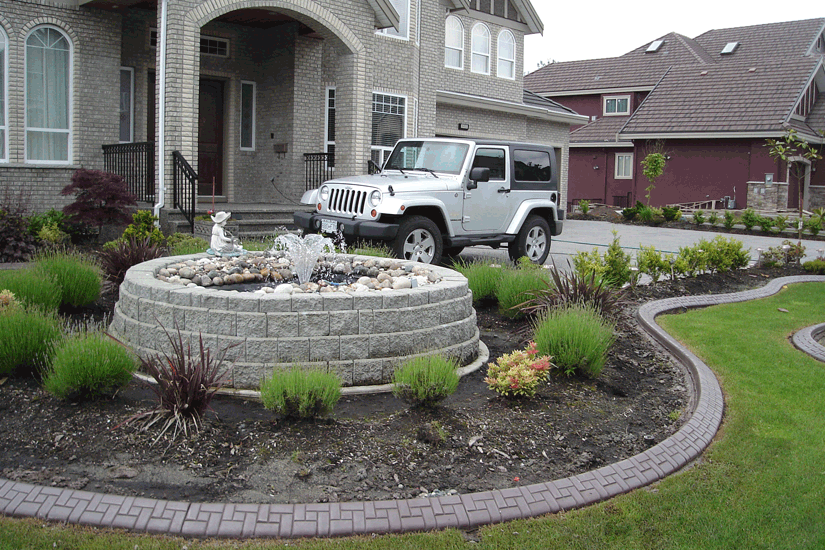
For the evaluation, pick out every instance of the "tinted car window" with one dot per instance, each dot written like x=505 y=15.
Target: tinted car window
x=532 y=165
x=492 y=159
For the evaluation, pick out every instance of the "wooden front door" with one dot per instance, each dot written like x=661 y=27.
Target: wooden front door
x=210 y=137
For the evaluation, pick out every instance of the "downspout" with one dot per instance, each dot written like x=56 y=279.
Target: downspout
x=161 y=132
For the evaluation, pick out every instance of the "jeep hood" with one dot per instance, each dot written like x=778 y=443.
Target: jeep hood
x=411 y=182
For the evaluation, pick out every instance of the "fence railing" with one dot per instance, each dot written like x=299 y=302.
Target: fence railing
x=318 y=168
x=184 y=187
x=135 y=163
x=622 y=201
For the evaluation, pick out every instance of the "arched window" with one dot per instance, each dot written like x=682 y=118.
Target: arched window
x=506 y=55
x=48 y=96
x=481 y=49
x=454 y=43
x=4 y=117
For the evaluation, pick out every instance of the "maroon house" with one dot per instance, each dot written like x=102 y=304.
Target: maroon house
x=709 y=103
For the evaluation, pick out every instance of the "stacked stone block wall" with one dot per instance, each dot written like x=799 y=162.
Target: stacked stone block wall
x=767 y=197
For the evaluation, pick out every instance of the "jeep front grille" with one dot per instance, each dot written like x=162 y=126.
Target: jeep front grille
x=347 y=201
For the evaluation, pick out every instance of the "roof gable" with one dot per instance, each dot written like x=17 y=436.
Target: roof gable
x=785 y=39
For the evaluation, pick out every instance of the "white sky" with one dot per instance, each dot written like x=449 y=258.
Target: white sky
x=576 y=30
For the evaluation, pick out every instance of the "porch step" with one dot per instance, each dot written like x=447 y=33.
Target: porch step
x=248 y=220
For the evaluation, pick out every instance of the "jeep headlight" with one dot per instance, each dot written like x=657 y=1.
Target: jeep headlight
x=375 y=198
x=323 y=192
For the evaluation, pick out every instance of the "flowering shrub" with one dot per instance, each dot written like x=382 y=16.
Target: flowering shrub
x=518 y=374
x=8 y=302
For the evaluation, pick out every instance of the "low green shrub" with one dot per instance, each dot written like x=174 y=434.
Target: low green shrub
x=713 y=218
x=765 y=223
x=577 y=337
x=671 y=213
x=88 y=366
x=143 y=227
x=424 y=381
x=515 y=288
x=652 y=263
x=51 y=217
x=699 y=217
x=690 y=261
x=518 y=374
x=651 y=215
x=780 y=223
x=32 y=287
x=584 y=206
x=180 y=244
x=616 y=263
x=28 y=340
x=816 y=267
x=814 y=225
x=78 y=277
x=723 y=254
x=629 y=214
x=728 y=220
x=298 y=393
x=482 y=277
x=749 y=218
x=52 y=236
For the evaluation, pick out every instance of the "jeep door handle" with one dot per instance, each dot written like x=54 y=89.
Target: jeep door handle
x=503 y=190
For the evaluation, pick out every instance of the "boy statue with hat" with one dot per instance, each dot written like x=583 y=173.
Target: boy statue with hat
x=223 y=243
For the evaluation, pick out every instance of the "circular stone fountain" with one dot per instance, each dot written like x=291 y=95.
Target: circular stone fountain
x=360 y=336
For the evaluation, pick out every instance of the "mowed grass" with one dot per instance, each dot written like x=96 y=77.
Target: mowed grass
x=760 y=485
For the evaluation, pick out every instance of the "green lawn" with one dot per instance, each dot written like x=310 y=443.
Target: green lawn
x=760 y=485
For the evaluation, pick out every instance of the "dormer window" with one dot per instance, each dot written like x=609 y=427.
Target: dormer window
x=616 y=105
x=654 y=46
x=729 y=48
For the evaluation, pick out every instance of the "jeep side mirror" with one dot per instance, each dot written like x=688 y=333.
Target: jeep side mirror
x=478 y=174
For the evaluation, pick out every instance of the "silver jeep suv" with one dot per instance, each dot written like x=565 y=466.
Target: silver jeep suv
x=435 y=196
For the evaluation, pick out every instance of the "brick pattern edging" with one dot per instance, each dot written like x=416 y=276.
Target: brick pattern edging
x=460 y=511
x=806 y=340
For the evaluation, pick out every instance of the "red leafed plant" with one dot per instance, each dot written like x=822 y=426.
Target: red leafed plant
x=100 y=198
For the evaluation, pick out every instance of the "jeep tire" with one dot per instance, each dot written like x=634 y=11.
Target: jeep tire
x=533 y=241
x=419 y=240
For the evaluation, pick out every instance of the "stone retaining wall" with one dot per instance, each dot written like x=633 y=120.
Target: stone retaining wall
x=362 y=336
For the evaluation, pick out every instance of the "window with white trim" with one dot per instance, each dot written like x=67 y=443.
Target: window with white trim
x=248 y=100
x=218 y=47
x=48 y=96
x=506 y=55
x=480 y=49
x=389 y=123
x=329 y=127
x=453 y=43
x=4 y=71
x=616 y=105
x=403 y=9
x=624 y=166
x=127 y=104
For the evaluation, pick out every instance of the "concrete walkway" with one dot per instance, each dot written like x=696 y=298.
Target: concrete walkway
x=460 y=511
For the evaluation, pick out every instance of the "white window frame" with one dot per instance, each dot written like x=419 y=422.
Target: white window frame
x=327 y=108
x=4 y=127
x=70 y=102
x=403 y=33
x=131 y=72
x=627 y=165
x=478 y=52
x=616 y=98
x=214 y=39
x=449 y=47
x=254 y=86
x=501 y=58
x=385 y=151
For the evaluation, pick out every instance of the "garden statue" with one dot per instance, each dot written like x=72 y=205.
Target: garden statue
x=223 y=243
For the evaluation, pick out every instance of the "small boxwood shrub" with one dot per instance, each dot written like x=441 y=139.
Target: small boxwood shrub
x=816 y=267
x=749 y=218
x=671 y=213
x=728 y=220
x=576 y=337
x=424 y=381
x=699 y=217
x=32 y=287
x=143 y=227
x=88 y=366
x=78 y=277
x=516 y=287
x=27 y=344
x=482 y=277
x=299 y=393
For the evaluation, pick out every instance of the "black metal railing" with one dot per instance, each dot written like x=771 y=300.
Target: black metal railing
x=622 y=201
x=318 y=167
x=135 y=163
x=184 y=187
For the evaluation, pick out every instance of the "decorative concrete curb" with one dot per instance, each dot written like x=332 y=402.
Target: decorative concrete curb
x=459 y=511
x=806 y=340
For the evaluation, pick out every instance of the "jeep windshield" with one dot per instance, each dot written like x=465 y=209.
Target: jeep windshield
x=428 y=156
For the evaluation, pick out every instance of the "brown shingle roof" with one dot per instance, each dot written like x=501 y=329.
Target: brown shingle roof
x=788 y=39
x=601 y=130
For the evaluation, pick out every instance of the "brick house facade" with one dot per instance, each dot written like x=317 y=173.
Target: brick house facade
x=244 y=88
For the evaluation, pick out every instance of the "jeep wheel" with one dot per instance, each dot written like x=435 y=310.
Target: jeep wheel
x=533 y=241
x=419 y=239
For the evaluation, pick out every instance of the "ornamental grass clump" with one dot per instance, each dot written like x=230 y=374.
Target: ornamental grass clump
x=516 y=286
x=299 y=393
x=28 y=338
x=77 y=276
x=577 y=337
x=89 y=366
x=482 y=277
x=424 y=381
x=572 y=288
x=32 y=287
x=186 y=380
x=518 y=374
